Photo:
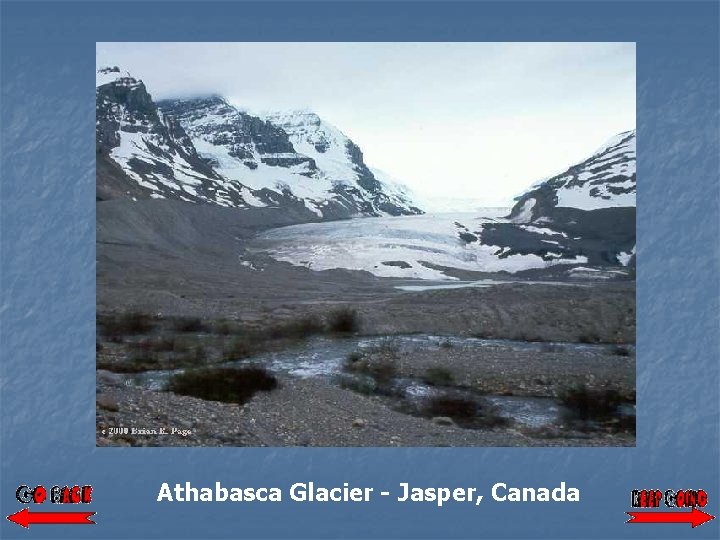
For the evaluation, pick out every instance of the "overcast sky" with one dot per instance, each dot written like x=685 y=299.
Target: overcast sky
x=476 y=120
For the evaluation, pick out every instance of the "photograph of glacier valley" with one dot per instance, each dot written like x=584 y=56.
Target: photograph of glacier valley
x=365 y=244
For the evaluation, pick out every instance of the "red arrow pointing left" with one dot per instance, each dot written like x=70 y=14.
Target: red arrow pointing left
x=25 y=518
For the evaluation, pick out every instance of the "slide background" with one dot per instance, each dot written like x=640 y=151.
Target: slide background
x=47 y=313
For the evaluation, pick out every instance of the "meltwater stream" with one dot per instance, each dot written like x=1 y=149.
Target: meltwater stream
x=325 y=358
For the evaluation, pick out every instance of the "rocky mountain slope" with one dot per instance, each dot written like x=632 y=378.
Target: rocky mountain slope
x=205 y=150
x=587 y=211
x=605 y=180
x=342 y=162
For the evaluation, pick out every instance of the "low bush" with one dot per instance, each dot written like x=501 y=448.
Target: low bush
x=379 y=363
x=239 y=348
x=189 y=324
x=343 y=320
x=353 y=357
x=589 y=338
x=136 y=364
x=223 y=384
x=588 y=404
x=465 y=412
x=438 y=376
x=362 y=385
x=621 y=350
x=453 y=407
x=383 y=370
x=160 y=344
x=301 y=328
x=116 y=326
x=223 y=328
x=589 y=409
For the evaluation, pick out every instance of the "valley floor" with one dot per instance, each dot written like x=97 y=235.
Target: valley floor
x=213 y=281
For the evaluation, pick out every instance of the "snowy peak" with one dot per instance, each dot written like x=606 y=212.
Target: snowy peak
x=624 y=141
x=587 y=211
x=107 y=75
x=308 y=132
x=205 y=149
x=341 y=160
x=143 y=153
x=604 y=180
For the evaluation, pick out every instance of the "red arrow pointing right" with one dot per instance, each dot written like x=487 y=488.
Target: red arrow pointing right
x=695 y=517
x=25 y=518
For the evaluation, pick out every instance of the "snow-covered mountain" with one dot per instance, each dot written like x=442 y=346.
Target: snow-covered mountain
x=341 y=161
x=206 y=150
x=605 y=180
x=140 y=153
x=586 y=211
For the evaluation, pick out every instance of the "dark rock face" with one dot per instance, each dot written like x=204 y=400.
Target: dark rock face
x=366 y=179
x=244 y=136
x=601 y=236
x=585 y=213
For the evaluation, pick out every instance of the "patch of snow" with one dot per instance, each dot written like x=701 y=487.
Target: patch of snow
x=525 y=215
x=250 y=198
x=542 y=230
x=580 y=197
x=624 y=258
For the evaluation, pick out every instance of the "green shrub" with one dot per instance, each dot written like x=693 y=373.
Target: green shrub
x=589 y=338
x=223 y=328
x=589 y=409
x=189 y=324
x=229 y=385
x=621 y=350
x=343 y=320
x=301 y=328
x=454 y=407
x=438 y=376
x=588 y=404
x=116 y=326
x=362 y=385
x=136 y=364
x=465 y=412
x=239 y=348
x=160 y=344
x=381 y=369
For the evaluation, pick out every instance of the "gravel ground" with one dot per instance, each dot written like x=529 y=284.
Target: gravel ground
x=302 y=412
x=500 y=370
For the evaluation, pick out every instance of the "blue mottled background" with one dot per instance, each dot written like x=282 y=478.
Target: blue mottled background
x=48 y=284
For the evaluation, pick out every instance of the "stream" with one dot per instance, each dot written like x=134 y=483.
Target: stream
x=325 y=358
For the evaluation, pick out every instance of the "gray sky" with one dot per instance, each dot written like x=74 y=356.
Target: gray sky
x=476 y=120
